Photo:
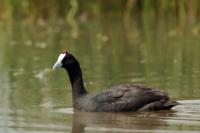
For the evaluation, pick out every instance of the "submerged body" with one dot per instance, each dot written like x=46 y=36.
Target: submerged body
x=119 y=98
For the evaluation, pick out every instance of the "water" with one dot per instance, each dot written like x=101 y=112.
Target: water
x=33 y=99
x=184 y=118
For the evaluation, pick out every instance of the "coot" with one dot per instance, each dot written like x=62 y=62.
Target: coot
x=119 y=98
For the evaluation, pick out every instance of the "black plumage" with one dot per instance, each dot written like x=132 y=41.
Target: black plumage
x=119 y=98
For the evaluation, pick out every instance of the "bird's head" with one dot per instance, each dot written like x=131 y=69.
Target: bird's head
x=64 y=60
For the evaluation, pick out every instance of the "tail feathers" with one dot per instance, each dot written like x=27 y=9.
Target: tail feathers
x=170 y=104
x=159 y=105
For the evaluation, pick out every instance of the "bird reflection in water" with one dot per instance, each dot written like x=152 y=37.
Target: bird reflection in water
x=119 y=122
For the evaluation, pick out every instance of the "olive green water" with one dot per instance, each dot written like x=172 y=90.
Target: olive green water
x=111 y=51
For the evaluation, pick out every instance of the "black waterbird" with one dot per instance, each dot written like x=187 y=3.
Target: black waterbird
x=119 y=98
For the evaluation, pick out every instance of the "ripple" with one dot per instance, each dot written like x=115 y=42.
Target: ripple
x=121 y=130
x=64 y=110
x=185 y=118
x=196 y=101
x=42 y=73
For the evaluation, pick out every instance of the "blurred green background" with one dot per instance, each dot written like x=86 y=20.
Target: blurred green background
x=150 y=42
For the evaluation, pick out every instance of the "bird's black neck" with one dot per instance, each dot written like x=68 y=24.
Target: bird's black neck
x=76 y=80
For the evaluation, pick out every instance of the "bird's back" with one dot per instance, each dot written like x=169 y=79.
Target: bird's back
x=127 y=98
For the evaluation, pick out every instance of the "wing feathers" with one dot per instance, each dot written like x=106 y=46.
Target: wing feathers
x=128 y=97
